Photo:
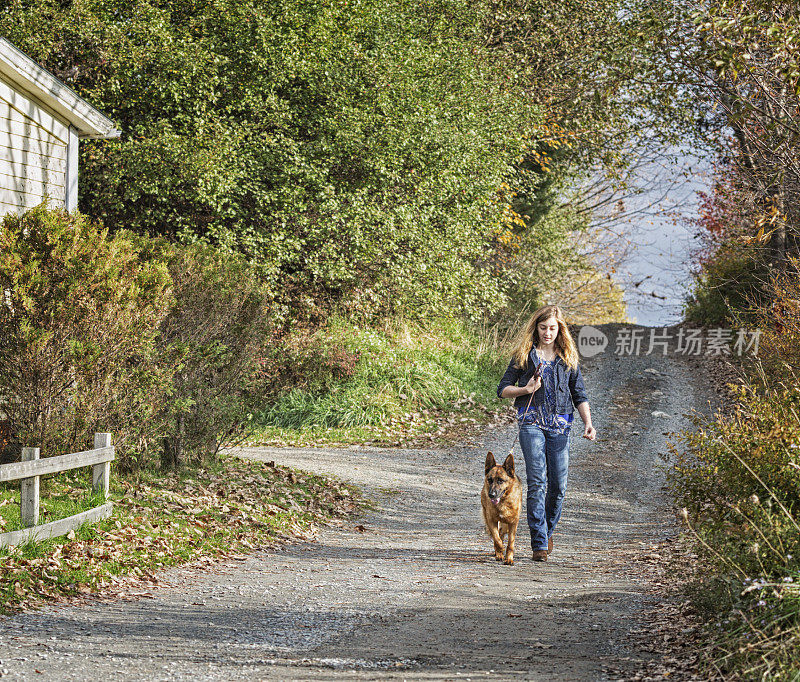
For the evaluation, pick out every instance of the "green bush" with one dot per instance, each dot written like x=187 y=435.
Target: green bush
x=79 y=319
x=737 y=476
x=738 y=479
x=728 y=286
x=348 y=376
x=350 y=149
x=736 y=471
x=160 y=344
x=215 y=336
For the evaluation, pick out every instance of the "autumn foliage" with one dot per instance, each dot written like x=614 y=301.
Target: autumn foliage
x=159 y=344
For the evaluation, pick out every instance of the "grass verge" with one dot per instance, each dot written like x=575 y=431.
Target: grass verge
x=59 y=497
x=159 y=521
x=399 y=385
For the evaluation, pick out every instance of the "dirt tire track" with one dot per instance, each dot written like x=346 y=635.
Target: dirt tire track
x=418 y=595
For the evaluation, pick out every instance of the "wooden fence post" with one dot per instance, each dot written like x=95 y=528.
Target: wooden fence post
x=29 y=496
x=101 y=473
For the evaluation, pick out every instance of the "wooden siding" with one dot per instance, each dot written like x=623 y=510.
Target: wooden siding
x=24 y=108
x=22 y=201
x=34 y=153
x=15 y=157
x=37 y=174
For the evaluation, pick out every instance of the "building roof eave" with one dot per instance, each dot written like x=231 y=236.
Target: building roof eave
x=27 y=75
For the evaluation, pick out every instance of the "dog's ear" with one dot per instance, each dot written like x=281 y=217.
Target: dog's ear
x=490 y=463
x=508 y=465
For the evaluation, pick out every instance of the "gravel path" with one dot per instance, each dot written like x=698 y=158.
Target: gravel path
x=414 y=593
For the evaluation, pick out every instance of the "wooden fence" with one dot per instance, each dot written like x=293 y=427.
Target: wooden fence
x=31 y=468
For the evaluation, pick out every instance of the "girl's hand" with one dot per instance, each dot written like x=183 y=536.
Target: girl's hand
x=533 y=385
x=589 y=432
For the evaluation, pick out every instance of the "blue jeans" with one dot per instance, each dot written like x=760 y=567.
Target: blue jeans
x=546 y=461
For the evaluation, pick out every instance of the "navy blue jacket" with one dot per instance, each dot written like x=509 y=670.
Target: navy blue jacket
x=569 y=384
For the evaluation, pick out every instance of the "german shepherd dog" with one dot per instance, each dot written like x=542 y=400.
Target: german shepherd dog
x=501 y=500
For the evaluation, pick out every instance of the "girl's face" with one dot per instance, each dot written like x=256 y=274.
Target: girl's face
x=548 y=330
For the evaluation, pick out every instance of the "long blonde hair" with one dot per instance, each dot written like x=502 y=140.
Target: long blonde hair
x=528 y=338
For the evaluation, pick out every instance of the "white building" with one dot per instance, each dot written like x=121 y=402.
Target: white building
x=41 y=122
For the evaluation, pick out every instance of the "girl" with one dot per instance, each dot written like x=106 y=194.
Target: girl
x=545 y=379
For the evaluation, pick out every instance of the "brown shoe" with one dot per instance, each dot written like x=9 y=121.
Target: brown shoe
x=540 y=555
x=549 y=544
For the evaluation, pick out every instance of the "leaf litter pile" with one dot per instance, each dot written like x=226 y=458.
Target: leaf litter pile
x=166 y=520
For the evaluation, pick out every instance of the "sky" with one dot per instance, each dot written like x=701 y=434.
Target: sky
x=661 y=239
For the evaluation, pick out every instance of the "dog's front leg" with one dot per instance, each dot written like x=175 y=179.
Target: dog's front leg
x=512 y=536
x=498 y=543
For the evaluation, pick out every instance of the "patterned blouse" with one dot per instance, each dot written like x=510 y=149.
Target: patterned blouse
x=544 y=416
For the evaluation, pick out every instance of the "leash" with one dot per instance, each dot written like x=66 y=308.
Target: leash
x=527 y=407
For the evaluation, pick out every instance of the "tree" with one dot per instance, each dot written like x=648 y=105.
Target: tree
x=349 y=150
x=741 y=62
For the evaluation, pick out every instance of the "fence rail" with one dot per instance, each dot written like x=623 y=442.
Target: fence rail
x=52 y=465
x=31 y=468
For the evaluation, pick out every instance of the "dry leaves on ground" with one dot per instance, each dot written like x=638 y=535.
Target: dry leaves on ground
x=163 y=521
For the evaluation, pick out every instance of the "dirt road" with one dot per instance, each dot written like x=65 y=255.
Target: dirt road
x=415 y=593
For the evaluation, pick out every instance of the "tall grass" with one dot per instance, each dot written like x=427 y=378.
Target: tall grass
x=737 y=478
x=346 y=376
